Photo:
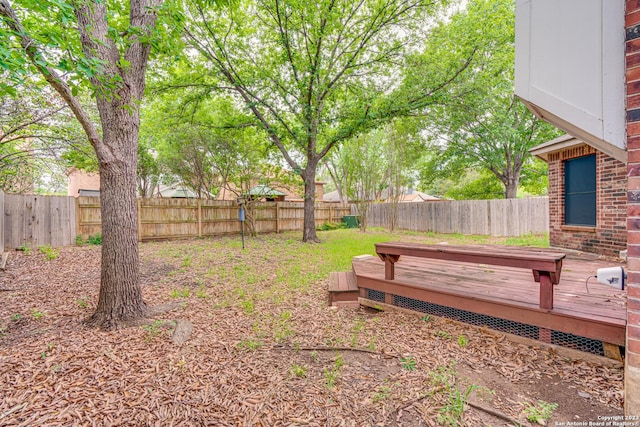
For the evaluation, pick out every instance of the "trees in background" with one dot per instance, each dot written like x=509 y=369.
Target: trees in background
x=378 y=164
x=484 y=126
x=315 y=74
x=35 y=130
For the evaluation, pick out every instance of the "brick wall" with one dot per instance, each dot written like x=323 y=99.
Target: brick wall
x=609 y=237
x=632 y=59
x=80 y=180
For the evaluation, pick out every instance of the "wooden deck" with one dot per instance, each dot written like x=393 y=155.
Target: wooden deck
x=505 y=293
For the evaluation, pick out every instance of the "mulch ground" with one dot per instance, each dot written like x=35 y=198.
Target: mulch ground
x=261 y=354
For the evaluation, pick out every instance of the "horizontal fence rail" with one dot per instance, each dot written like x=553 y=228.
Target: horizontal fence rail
x=500 y=217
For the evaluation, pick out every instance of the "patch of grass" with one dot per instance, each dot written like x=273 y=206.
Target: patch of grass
x=540 y=412
x=537 y=240
x=383 y=393
x=355 y=331
x=331 y=374
x=408 y=363
x=443 y=334
x=83 y=302
x=463 y=340
x=37 y=314
x=26 y=249
x=49 y=252
x=444 y=379
x=426 y=318
x=451 y=413
x=186 y=261
x=157 y=328
x=298 y=371
x=250 y=344
x=180 y=293
x=282 y=326
x=247 y=306
x=202 y=292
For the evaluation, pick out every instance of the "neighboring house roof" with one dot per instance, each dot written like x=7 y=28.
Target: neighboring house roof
x=176 y=191
x=332 y=197
x=409 y=195
x=543 y=150
x=417 y=196
x=265 y=190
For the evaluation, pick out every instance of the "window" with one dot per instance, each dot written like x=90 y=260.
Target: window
x=580 y=191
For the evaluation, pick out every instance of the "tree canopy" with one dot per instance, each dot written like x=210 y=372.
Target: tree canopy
x=314 y=74
x=485 y=125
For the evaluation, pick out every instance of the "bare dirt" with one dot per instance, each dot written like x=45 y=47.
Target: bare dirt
x=263 y=352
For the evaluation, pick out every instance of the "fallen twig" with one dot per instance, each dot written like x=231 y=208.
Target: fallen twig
x=12 y=410
x=494 y=413
x=330 y=348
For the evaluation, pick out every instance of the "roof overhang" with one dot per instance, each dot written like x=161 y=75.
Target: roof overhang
x=580 y=135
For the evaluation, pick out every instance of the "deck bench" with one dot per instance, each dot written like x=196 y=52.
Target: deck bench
x=546 y=265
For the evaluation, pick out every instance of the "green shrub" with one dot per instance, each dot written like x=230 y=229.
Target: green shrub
x=95 y=239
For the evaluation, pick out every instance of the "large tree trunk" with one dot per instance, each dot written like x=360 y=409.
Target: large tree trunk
x=511 y=187
x=120 y=298
x=309 y=233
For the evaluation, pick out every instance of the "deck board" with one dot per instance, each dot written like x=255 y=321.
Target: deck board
x=511 y=292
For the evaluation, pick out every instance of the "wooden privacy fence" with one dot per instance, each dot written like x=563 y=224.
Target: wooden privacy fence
x=33 y=221
x=500 y=217
x=160 y=218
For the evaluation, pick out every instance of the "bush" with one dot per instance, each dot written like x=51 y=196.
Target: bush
x=327 y=226
x=95 y=239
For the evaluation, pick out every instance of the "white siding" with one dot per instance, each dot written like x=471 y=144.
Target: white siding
x=570 y=67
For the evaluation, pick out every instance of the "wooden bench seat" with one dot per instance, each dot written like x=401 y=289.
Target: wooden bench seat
x=546 y=265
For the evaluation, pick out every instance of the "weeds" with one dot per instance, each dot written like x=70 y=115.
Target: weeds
x=539 y=413
x=462 y=341
x=202 y=292
x=156 y=328
x=298 y=370
x=384 y=392
x=83 y=302
x=37 y=314
x=180 y=293
x=408 y=363
x=95 y=239
x=26 y=249
x=443 y=334
x=49 y=252
x=247 y=306
x=15 y=317
x=249 y=344
x=331 y=375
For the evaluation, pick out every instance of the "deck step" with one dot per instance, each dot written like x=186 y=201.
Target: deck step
x=343 y=290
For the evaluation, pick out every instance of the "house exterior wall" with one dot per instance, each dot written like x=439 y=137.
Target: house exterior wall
x=632 y=57
x=609 y=236
x=80 y=180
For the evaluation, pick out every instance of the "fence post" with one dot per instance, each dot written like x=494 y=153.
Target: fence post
x=139 y=200
x=277 y=217
x=199 y=217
